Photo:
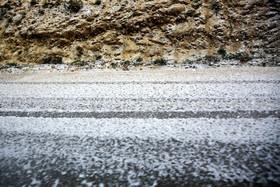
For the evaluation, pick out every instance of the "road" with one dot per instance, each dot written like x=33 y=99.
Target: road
x=217 y=127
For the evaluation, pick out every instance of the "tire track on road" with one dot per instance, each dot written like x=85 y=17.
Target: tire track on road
x=149 y=114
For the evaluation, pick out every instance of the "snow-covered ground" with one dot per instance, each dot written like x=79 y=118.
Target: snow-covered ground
x=143 y=128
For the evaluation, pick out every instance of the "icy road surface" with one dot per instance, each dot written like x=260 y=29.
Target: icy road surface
x=217 y=127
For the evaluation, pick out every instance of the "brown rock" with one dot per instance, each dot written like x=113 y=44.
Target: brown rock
x=96 y=47
x=185 y=1
x=125 y=68
x=176 y=9
x=157 y=42
x=147 y=28
x=158 y=5
x=196 y=4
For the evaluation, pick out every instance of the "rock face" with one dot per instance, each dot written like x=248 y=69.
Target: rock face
x=34 y=30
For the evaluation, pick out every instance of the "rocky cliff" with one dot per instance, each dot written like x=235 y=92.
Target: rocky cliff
x=36 y=31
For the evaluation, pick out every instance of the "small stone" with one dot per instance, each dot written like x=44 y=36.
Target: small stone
x=125 y=68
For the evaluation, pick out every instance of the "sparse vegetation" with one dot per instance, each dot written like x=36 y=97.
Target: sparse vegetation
x=243 y=57
x=33 y=2
x=79 y=63
x=187 y=61
x=12 y=64
x=222 y=52
x=52 y=60
x=160 y=62
x=139 y=59
x=7 y=6
x=114 y=65
x=98 y=2
x=45 y=5
x=253 y=52
x=9 y=65
x=256 y=54
x=126 y=62
x=98 y=57
x=211 y=59
x=80 y=51
x=57 y=3
x=51 y=4
x=74 y=5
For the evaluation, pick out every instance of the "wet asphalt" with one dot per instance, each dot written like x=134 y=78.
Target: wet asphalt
x=169 y=133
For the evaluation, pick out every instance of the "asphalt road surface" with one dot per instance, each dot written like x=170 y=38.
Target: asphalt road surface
x=209 y=127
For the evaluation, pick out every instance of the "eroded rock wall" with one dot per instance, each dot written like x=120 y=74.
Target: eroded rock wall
x=31 y=31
